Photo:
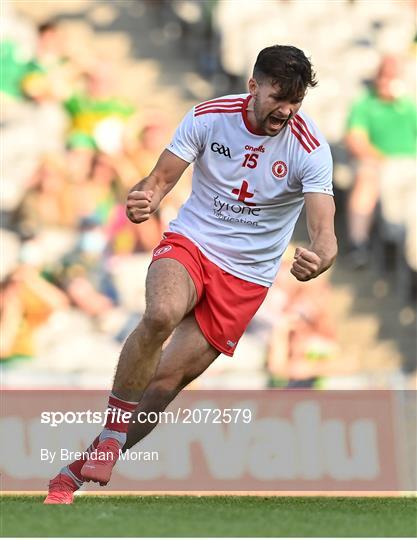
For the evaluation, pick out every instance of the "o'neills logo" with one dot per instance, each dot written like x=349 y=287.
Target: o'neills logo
x=279 y=169
x=161 y=250
x=257 y=149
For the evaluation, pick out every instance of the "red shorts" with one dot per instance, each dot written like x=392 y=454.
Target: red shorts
x=225 y=303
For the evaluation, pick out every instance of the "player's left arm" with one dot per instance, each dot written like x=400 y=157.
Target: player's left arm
x=316 y=175
x=322 y=251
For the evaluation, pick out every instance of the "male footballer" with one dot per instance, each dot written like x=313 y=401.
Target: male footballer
x=257 y=160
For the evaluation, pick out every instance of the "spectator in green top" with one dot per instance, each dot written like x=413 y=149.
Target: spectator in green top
x=51 y=75
x=98 y=119
x=14 y=67
x=381 y=127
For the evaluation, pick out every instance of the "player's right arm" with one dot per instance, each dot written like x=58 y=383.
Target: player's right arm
x=189 y=139
x=144 y=198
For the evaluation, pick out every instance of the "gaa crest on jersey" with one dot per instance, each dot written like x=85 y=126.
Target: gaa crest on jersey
x=279 y=169
x=221 y=149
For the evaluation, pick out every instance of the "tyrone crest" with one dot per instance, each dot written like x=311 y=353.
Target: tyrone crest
x=279 y=169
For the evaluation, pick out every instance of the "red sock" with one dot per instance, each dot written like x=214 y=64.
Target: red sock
x=119 y=413
x=76 y=466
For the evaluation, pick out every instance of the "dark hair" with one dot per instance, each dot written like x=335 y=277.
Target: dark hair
x=287 y=66
x=48 y=26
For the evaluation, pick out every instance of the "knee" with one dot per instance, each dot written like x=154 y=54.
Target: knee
x=160 y=320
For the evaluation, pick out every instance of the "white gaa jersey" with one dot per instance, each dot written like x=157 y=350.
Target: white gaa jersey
x=247 y=188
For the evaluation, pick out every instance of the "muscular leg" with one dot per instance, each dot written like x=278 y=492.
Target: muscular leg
x=186 y=356
x=170 y=295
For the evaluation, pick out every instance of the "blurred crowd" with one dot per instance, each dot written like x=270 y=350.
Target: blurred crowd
x=74 y=142
x=73 y=145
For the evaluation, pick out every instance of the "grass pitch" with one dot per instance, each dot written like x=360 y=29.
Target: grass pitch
x=219 y=516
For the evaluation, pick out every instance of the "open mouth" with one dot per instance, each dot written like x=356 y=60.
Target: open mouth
x=276 y=122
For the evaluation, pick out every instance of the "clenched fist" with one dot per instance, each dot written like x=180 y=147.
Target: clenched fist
x=138 y=206
x=306 y=264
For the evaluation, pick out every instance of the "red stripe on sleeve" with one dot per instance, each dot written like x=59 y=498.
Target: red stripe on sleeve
x=315 y=141
x=303 y=133
x=207 y=111
x=219 y=105
x=220 y=100
x=296 y=134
